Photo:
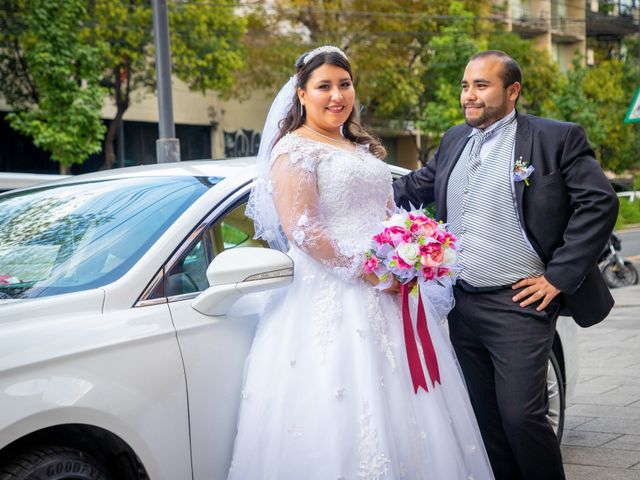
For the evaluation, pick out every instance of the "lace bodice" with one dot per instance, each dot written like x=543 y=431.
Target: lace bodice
x=330 y=201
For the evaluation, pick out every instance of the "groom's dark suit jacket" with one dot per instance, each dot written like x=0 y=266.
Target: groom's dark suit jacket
x=568 y=210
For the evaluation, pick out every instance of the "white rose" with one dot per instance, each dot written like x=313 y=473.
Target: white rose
x=450 y=256
x=396 y=220
x=408 y=252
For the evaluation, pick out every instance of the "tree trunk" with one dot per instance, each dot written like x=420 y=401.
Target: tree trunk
x=109 y=142
x=64 y=170
x=121 y=79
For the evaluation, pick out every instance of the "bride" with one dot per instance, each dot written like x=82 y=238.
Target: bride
x=328 y=393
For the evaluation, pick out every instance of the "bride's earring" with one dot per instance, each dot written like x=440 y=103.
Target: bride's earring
x=301 y=110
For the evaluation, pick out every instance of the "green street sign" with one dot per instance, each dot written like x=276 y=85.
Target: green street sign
x=633 y=115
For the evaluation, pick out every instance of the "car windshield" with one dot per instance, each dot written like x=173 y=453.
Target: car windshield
x=74 y=237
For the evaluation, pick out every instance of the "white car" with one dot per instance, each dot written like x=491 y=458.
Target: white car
x=13 y=180
x=124 y=327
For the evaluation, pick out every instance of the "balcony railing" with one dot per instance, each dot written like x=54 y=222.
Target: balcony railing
x=619 y=8
x=523 y=16
x=572 y=27
x=614 y=18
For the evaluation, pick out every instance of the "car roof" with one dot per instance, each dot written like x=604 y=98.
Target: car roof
x=12 y=180
x=244 y=167
x=191 y=168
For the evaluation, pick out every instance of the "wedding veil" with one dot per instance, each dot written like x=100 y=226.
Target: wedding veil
x=261 y=207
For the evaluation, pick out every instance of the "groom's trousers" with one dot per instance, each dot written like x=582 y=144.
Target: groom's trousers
x=503 y=350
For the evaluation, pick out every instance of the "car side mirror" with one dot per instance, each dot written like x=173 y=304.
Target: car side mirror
x=238 y=271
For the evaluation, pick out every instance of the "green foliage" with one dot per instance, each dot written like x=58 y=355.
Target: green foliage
x=445 y=59
x=387 y=41
x=597 y=98
x=51 y=78
x=629 y=213
x=125 y=28
x=59 y=58
x=206 y=48
x=540 y=72
x=206 y=45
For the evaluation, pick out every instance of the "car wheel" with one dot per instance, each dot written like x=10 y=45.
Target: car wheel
x=53 y=463
x=555 y=396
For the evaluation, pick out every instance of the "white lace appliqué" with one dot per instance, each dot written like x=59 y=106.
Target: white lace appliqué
x=378 y=325
x=313 y=191
x=374 y=464
x=327 y=312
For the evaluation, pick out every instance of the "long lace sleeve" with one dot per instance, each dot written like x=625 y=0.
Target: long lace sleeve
x=391 y=204
x=295 y=195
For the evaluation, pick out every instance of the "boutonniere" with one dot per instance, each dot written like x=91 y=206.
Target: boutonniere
x=522 y=170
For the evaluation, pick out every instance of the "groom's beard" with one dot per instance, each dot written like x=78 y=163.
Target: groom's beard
x=489 y=116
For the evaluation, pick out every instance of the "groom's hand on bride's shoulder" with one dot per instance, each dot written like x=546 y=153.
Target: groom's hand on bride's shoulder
x=535 y=289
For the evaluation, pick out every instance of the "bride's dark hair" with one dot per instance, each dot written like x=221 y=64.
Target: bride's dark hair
x=295 y=116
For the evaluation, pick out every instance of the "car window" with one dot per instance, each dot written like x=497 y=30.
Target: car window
x=233 y=230
x=189 y=275
x=78 y=236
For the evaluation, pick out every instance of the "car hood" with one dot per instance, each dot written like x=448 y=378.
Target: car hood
x=90 y=301
x=30 y=328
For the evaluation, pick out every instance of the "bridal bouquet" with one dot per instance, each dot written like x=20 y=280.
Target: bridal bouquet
x=411 y=246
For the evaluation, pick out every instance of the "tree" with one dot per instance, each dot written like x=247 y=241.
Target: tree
x=50 y=78
x=386 y=41
x=539 y=72
x=206 y=50
x=597 y=98
x=448 y=53
x=59 y=58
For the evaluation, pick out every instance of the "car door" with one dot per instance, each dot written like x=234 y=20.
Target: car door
x=214 y=349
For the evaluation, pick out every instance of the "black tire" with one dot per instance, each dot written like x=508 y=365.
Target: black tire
x=53 y=463
x=555 y=396
x=615 y=277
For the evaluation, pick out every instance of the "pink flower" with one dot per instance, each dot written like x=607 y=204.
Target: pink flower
x=443 y=271
x=402 y=265
x=371 y=264
x=435 y=257
x=428 y=273
x=426 y=230
x=382 y=237
x=419 y=217
x=398 y=235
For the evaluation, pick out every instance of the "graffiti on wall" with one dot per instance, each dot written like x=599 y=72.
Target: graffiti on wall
x=241 y=143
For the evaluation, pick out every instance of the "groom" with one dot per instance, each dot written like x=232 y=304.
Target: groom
x=532 y=210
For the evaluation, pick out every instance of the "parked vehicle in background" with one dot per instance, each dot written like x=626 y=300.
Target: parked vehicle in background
x=128 y=307
x=617 y=271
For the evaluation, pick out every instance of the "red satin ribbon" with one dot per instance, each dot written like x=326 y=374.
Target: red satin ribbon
x=413 y=355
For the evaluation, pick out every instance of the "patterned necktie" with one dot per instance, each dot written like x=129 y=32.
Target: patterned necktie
x=473 y=163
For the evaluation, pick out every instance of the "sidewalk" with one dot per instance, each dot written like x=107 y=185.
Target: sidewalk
x=602 y=427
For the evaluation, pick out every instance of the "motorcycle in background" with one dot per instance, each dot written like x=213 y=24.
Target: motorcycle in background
x=617 y=271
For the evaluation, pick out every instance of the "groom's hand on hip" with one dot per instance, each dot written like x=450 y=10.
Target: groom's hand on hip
x=533 y=290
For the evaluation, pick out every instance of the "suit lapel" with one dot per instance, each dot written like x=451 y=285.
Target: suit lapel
x=522 y=151
x=451 y=161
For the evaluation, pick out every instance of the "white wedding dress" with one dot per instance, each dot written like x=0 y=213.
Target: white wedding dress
x=328 y=393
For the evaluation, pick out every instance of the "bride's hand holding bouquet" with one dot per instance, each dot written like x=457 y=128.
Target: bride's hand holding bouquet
x=413 y=250
x=411 y=247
